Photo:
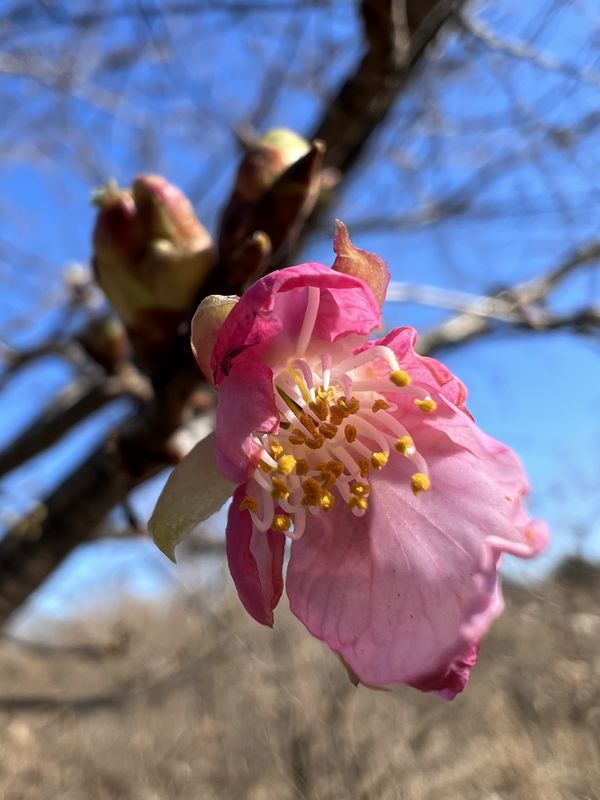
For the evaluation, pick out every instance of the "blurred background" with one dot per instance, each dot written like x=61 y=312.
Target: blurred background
x=456 y=139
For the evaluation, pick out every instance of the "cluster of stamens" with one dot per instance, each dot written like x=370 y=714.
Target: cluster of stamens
x=336 y=430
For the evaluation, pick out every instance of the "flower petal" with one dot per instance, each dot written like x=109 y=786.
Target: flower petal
x=195 y=490
x=404 y=593
x=426 y=371
x=246 y=406
x=270 y=315
x=367 y=266
x=495 y=477
x=255 y=561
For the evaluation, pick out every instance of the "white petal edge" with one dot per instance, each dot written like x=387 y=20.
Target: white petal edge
x=195 y=490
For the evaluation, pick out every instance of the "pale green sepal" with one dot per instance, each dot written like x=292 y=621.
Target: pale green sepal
x=194 y=491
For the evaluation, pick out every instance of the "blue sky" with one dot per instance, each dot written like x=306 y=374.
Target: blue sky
x=476 y=124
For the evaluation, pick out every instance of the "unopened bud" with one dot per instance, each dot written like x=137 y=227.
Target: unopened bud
x=151 y=254
x=206 y=324
x=276 y=186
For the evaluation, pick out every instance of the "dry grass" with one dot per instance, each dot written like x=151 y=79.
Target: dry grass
x=197 y=705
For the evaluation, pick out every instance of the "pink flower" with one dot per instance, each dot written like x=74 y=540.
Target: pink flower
x=363 y=455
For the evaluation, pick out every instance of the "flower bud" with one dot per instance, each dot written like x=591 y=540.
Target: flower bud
x=206 y=324
x=151 y=254
x=275 y=188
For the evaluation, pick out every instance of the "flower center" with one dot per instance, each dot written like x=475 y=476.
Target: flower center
x=336 y=430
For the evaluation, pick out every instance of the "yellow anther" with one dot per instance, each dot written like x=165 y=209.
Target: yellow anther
x=400 y=378
x=350 y=433
x=358 y=502
x=308 y=423
x=316 y=442
x=420 y=483
x=328 y=430
x=281 y=490
x=281 y=523
x=380 y=405
x=320 y=408
x=349 y=405
x=302 y=466
x=262 y=465
x=360 y=489
x=326 y=501
x=336 y=467
x=405 y=445
x=276 y=449
x=328 y=479
x=249 y=504
x=379 y=460
x=337 y=415
x=364 y=467
x=286 y=464
x=427 y=405
x=311 y=485
x=297 y=436
x=327 y=395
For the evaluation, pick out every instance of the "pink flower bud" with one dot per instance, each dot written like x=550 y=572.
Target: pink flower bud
x=151 y=253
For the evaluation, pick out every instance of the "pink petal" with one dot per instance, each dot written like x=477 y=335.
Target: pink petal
x=425 y=371
x=405 y=593
x=495 y=474
x=270 y=314
x=255 y=561
x=246 y=405
x=367 y=266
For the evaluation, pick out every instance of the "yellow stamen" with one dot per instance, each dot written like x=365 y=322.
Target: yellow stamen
x=302 y=466
x=297 y=436
x=360 y=489
x=308 y=423
x=249 y=504
x=336 y=415
x=326 y=501
x=364 y=467
x=264 y=466
x=427 y=405
x=379 y=460
x=276 y=449
x=281 y=523
x=300 y=383
x=400 y=378
x=328 y=430
x=320 y=408
x=349 y=405
x=380 y=405
x=420 y=483
x=358 y=502
x=280 y=490
x=327 y=395
x=405 y=445
x=350 y=433
x=286 y=464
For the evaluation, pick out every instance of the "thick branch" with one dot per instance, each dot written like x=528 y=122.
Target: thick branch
x=396 y=34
